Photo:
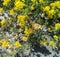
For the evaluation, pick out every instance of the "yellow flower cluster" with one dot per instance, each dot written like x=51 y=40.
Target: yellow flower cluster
x=22 y=19
x=47 y=8
x=6 y=43
x=28 y=31
x=5 y=3
x=57 y=26
x=55 y=37
x=50 y=9
x=18 y=5
x=52 y=5
x=57 y=4
x=49 y=12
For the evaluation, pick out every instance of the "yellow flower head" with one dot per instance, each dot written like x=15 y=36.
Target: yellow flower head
x=11 y=12
x=57 y=26
x=1 y=10
x=28 y=31
x=47 y=8
x=17 y=44
x=19 y=5
x=52 y=5
x=43 y=42
x=5 y=43
x=51 y=13
x=25 y=38
x=52 y=43
x=22 y=18
x=3 y=22
x=57 y=3
x=6 y=2
x=55 y=37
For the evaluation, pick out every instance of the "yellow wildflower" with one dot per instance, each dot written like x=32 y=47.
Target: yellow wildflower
x=52 y=43
x=6 y=2
x=25 y=38
x=22 y=17
x=1 y=10
x=19 y=5
x=43 y=42
x=17 y=44
x=55 y=37
x=57 y=3
x=47 y=8
x=5 y=43
x=57 y=26
x=3 y=22
x=11 y=12
x=28 y=31
x=51 y=13
x=52 y=5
